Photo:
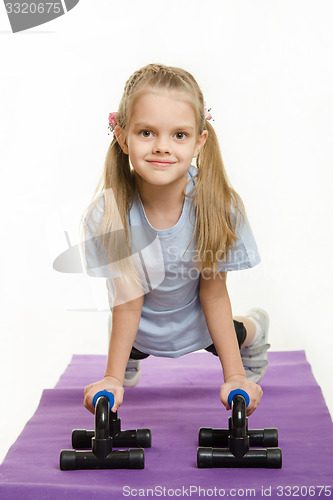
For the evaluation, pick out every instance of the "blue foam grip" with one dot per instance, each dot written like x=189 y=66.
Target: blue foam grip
x=109 y=395
x=242 y=393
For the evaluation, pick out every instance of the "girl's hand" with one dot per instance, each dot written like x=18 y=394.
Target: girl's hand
x=239 y=382
x=110 y=384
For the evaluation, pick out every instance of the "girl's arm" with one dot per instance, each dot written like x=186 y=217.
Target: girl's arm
x=125 y=322
x=216 y=306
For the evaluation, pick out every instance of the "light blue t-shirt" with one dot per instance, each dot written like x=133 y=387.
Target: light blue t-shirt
x=172 y=321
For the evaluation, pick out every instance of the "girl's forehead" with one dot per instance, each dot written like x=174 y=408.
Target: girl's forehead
x=157 y=100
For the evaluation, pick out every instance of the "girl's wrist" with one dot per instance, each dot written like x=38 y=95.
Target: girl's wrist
x=235 y=376
x=108 y=376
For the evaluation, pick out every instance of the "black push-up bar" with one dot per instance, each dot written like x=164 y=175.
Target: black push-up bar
x=107 y=434
x=230 y=447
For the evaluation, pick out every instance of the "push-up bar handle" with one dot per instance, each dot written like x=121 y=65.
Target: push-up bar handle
x=239 y=392
x=109 y=395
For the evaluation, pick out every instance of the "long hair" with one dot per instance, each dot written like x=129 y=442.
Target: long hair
x=216 y=204
x=218 y=207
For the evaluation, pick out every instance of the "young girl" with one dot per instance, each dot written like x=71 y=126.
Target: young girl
x=165 y=234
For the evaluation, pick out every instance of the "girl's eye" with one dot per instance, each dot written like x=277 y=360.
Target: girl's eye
x=180 y=135
x=145 y=133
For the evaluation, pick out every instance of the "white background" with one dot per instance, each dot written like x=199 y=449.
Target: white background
x=265 y=68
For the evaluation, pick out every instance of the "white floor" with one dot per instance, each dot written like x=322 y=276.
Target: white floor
x=36 y=362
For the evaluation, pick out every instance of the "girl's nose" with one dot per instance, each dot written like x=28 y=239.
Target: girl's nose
x=162 y=145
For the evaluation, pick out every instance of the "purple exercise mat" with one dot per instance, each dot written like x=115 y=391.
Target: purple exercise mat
x=174 y=398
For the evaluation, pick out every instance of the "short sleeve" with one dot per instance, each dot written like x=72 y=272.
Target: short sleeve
x=244 y=253
x=96 y=260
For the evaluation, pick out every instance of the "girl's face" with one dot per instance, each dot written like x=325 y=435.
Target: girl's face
x=161 y=138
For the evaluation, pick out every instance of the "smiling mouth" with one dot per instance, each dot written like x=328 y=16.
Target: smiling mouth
x=161 y=163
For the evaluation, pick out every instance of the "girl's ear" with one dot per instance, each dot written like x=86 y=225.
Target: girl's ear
x=200 y=143
x=120 y=135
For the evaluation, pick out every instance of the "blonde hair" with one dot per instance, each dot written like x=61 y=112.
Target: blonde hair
x=217 y=205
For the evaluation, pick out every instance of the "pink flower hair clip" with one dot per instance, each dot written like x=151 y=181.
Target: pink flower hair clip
x=208 y=115
x=112 y=122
